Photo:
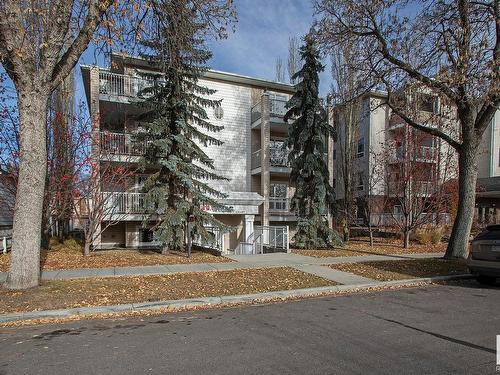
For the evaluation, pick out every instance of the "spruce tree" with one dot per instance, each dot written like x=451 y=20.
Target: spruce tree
x=307 y=143
x=175 y=130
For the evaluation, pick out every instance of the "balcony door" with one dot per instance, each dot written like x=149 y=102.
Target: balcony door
x=278 y=197
x=278 y=156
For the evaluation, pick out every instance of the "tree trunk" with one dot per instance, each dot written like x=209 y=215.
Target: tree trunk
x=86 y=248
x=165 y=250
x=24 y=270
x=458 y=246
x=370 y=230
x=406 y=239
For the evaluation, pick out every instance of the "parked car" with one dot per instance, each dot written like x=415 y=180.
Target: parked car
x=484 y=256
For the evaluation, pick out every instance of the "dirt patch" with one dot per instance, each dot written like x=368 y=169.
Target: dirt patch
x=404 y=269
x=118 y=290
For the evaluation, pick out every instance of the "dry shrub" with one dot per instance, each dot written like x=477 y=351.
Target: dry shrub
x=69 y=245
x=429 y=235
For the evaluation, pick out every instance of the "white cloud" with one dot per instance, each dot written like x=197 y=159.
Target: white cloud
x=261 y=36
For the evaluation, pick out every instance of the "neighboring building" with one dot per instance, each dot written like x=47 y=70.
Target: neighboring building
x=488 y=183
x=375 y=169
x=6 y=204
x=251 y=157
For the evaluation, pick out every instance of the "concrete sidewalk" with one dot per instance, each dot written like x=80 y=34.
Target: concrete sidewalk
x=303 y=263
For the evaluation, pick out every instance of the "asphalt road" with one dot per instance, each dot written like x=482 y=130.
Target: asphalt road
x=435 y=329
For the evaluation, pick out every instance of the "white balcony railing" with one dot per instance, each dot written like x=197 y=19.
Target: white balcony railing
x=116 y=203
x=121 y=144
x=125 y=85
x=278 y=204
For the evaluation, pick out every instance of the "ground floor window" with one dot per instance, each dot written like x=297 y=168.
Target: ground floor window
x=146 y=235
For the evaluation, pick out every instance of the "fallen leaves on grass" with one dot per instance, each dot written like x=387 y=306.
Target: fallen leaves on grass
x=119 y=290
x=362 y=247
x=404 y=269
x=64 y=257
x=143 y=314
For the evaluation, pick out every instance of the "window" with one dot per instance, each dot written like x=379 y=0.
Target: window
x=361 y=147
x=146 y=235
x=218 y=112
x=334 y=154
x=361 y=182
x=428 y=103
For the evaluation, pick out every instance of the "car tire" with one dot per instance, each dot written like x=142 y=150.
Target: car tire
x=486 y=280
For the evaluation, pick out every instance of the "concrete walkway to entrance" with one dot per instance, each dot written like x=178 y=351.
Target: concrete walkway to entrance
x=303 y=263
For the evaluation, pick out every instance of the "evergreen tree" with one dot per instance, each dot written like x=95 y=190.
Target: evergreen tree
x=175 y=128
x=307 y=144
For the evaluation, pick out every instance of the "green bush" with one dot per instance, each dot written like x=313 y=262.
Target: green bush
x=429 y=235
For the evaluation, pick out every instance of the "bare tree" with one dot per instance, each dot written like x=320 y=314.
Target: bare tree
x=372 y=199
x=451 y=48
x=40 y=43
x=293 y=61
x=280 y=70
x=347 y=119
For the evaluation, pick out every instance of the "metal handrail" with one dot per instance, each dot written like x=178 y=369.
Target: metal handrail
x=120 y=144
x=123 y=84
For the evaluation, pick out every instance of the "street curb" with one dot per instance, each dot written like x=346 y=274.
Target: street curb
x=173 y=305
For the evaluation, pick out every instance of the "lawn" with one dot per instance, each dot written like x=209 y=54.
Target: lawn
x=404 y=269
x=118 y=290
x=361 y=246
x=69 y=255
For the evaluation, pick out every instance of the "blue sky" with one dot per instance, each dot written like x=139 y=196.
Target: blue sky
x=261 y=35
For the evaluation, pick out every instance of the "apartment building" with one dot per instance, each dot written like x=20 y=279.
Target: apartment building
x=488 y=183
x=251 y=157
x=383 y=142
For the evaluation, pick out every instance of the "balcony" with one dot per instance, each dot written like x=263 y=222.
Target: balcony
x=277 y=109
x=125 y=86
x=120 y=144
x=122 y=203
x=277 y=158
x=279 y=205
x=425 y=154
x=417 y=188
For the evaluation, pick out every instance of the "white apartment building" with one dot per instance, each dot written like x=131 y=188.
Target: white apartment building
x=251 y=158
x=377 y=127
x=488 y=189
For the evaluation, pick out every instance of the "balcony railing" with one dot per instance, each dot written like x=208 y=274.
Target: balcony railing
x=256 y=112
x=116 y=203
x=277 y=108
x=416 y=188
x=121 y=144
x=256 y=162
x=426 y=152
x=422 y=153
x=278 y=204
x=277 y=158
x=124 y=85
